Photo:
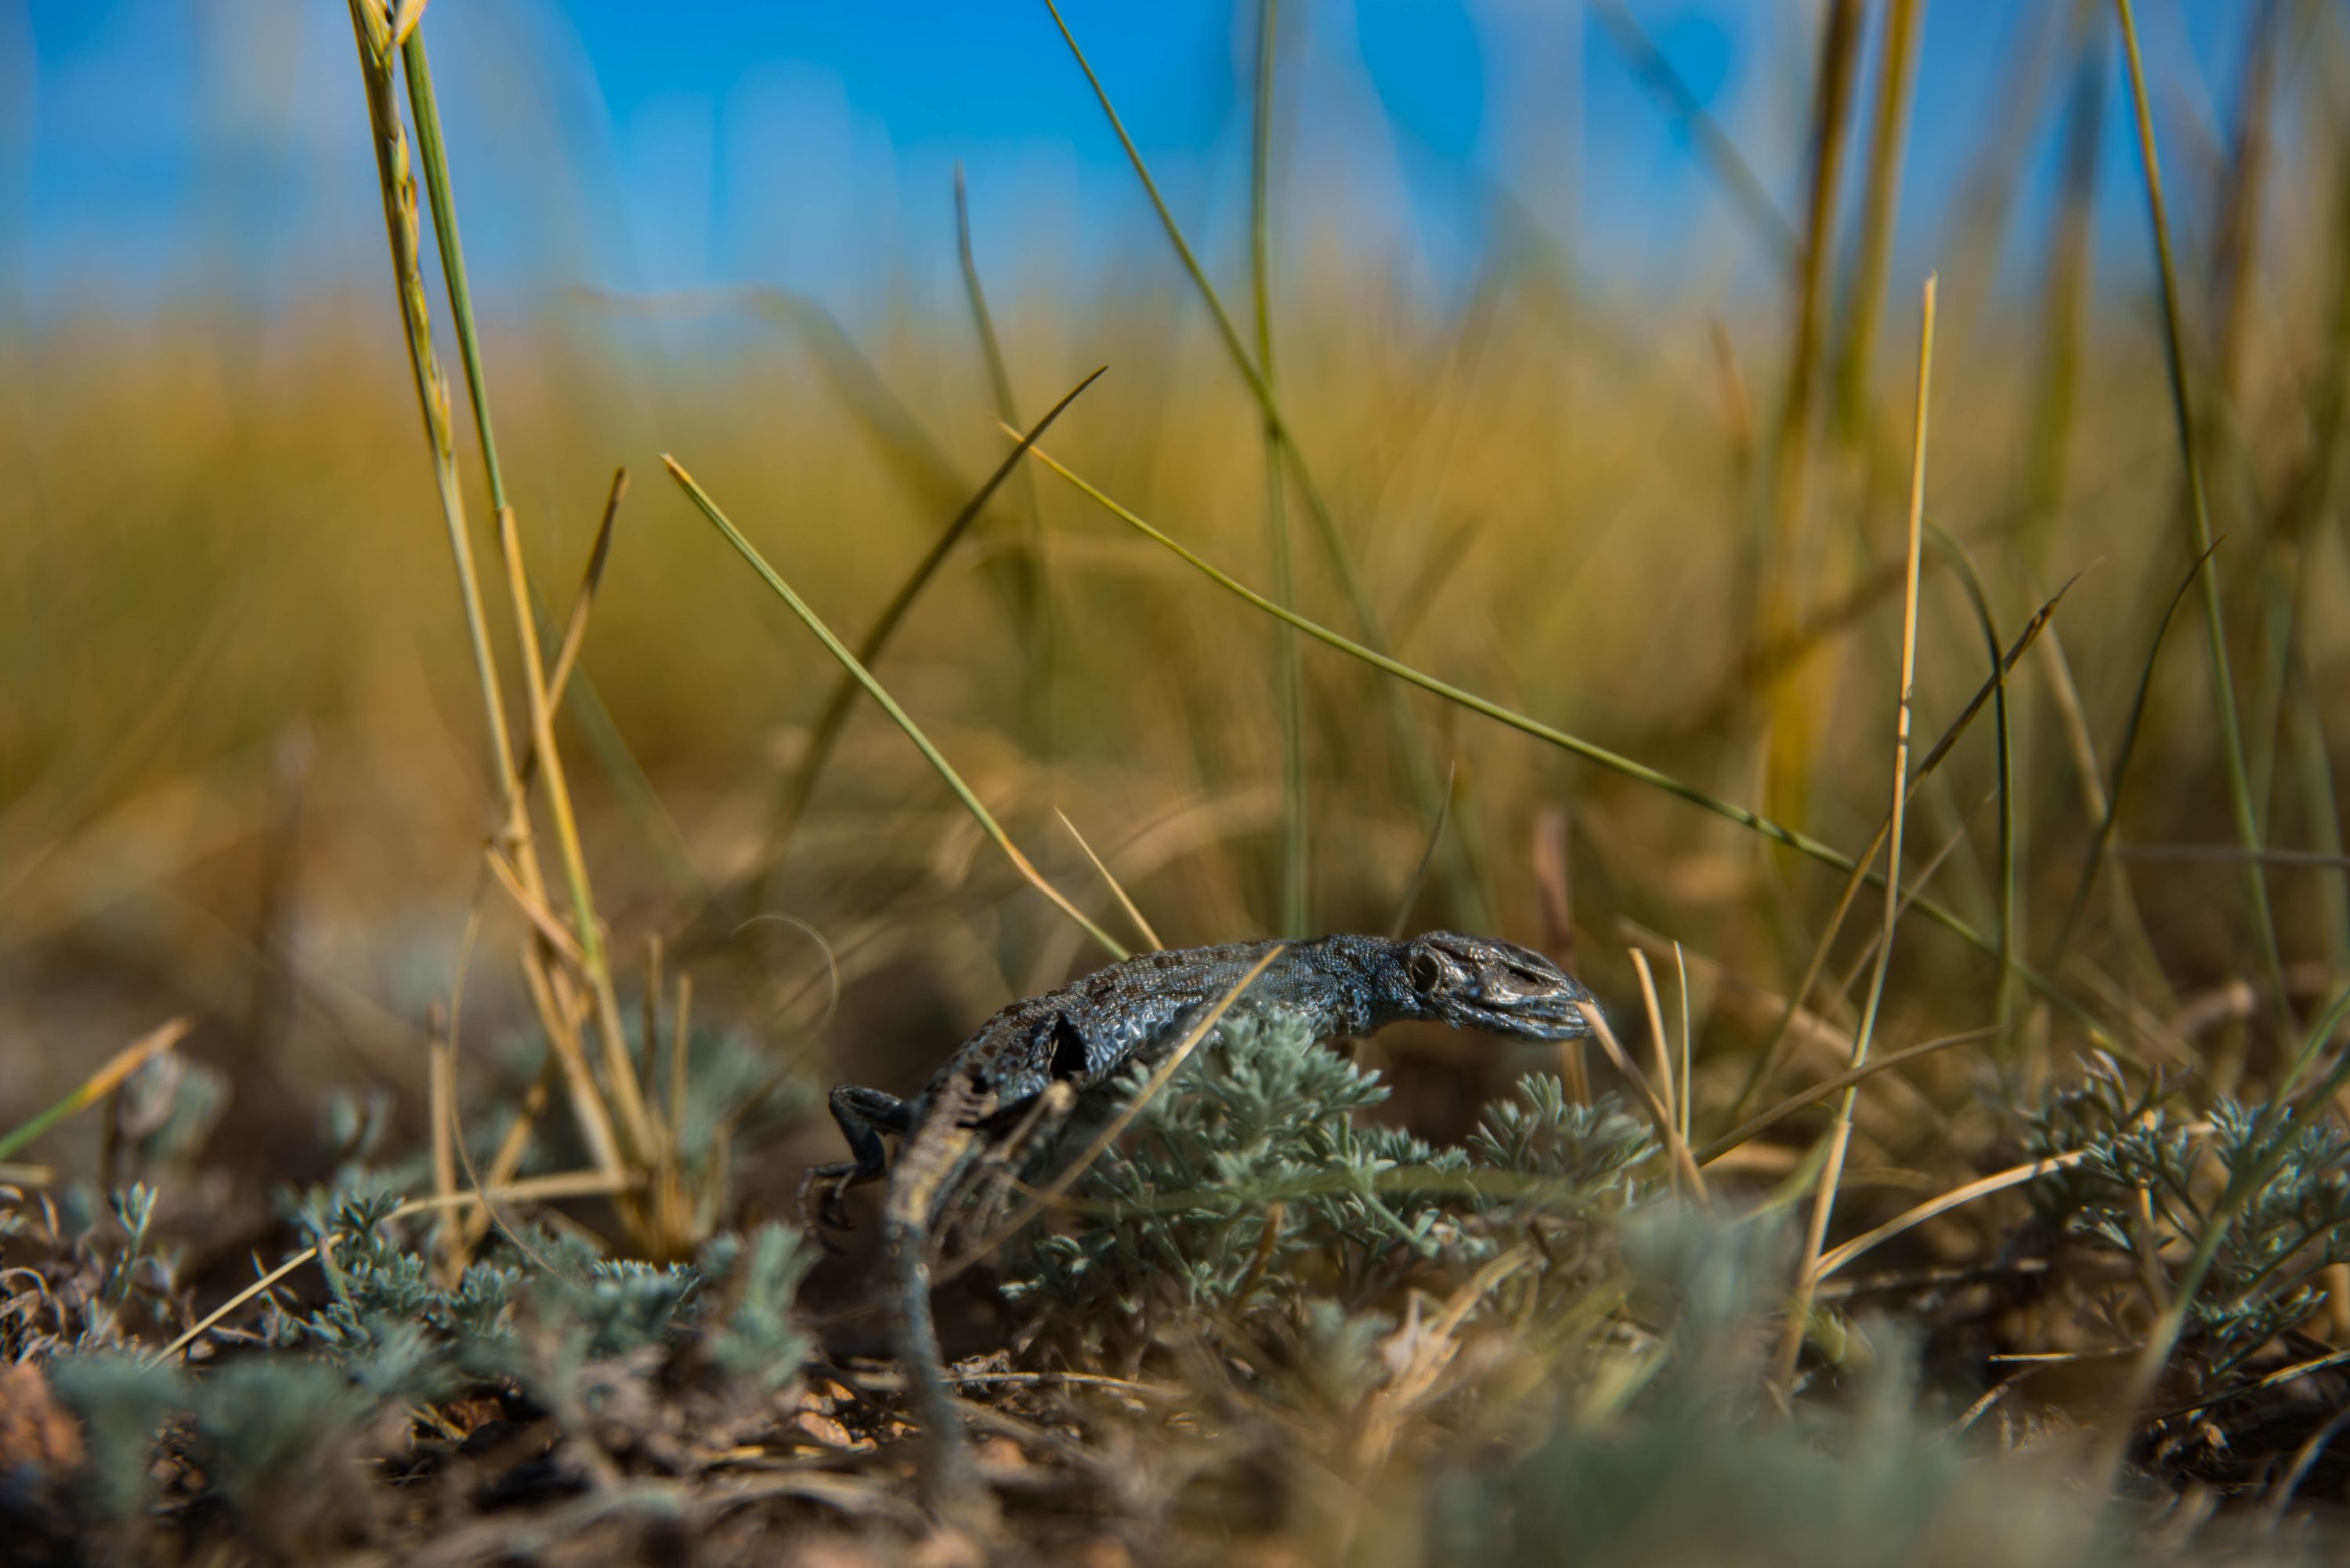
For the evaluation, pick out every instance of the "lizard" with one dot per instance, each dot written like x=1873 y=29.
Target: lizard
x=1044 y=1053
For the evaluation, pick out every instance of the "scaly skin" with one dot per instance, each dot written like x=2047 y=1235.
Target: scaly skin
x=1084 y=1034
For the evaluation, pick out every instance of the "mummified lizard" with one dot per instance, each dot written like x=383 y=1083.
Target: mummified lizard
x=1084 y=1035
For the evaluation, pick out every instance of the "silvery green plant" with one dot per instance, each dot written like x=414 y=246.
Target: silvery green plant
x=1248 y=1185
x=2147 y=1177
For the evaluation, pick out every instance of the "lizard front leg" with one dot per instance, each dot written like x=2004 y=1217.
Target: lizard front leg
x=864 y=1116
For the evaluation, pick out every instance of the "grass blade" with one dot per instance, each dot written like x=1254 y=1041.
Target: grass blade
x=2223 y=684
x=610 y=748
x=1792 y=696
x=1614 y=762
x=1296 y=917
x=875 y=690
x=999 y=373
x=837 y=707
x=99 y=1085
x=595 y=963
x=575 y=626
x=1421 y=775
x=2102 y=841
x=2129 y=925
x=403 y=228
x=432 y=154
x=1754 y=1126
x=1808 y=1270
x=2011 y=939
x=1038 y=591
x=1659 y=1112
x=1767 y=1059
x=1133 y=911
x=1887 y=139
x=1983 y=1187
x=1720 y=153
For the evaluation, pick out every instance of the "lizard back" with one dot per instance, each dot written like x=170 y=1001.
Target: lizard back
x=1091 y=1028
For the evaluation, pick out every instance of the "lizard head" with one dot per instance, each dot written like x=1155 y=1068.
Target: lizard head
x=1472 y=983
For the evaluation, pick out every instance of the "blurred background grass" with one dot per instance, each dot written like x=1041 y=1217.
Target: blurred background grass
x=1544 y=384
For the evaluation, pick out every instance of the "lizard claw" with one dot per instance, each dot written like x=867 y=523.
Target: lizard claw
x=818 y=1215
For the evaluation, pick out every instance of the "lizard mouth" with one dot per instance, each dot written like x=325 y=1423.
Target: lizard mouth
x=1551 y=1017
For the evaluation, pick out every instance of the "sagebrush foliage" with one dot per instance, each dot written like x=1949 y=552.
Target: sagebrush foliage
x=280 y=1429
x=2150 y=1183
x=543 y=1311
x=1248 y=1186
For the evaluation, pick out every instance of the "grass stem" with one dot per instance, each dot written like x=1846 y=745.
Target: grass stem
x=2199 y=513
x=1420 y=772
x=826 y=736
x=1791 y=1343
x=874 y=689
x=1614 y=762
x=1295 y=909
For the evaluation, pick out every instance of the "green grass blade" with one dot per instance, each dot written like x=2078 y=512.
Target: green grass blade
x=1715 y=147
x=2103 y=839
x=1897 y=71
x=2010 y=851
x=97 y=1086
x=1839 y=1139
x=2322 y=806
x=611 y=749
x=1766 y=1060
x=875 y=690
x=1035 y=590
x=1420 y=771
x=1296 y=914
x=836 y=709
x=1803 y=843
x=432 y=154
x=2223 y=684
x=402 y=229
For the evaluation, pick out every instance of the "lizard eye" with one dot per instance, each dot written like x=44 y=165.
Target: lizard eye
x=1425 y=973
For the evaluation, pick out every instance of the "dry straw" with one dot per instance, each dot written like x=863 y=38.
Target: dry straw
x=1840 y=1135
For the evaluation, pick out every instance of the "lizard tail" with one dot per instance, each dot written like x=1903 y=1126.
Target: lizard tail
x=952 y=1488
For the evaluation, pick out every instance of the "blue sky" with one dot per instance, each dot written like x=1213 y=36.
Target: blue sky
x=149 y=145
